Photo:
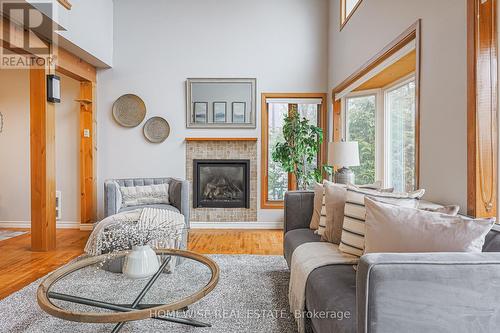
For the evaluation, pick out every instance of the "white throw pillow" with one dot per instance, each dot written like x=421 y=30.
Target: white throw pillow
x=144 y=195
x=392 y=228
x=353 y=230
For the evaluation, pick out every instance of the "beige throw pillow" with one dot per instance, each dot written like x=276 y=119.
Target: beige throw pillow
x=391 y=228
x=335 y=197
x=448 y=210
x=318 y=202
x=353 y=229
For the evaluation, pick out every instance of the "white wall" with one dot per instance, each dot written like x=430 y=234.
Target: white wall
x=14 y=146
x=89 y=26
x=443 y=136
x=87 y=29
x=15 y=149
x=68 y=149
x=282 y=43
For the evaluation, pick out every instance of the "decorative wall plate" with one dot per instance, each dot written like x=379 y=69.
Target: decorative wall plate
x=129 y=110
x=156 y=129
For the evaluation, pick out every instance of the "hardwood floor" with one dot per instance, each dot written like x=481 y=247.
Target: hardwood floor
x=265 y=242
x=19 y=266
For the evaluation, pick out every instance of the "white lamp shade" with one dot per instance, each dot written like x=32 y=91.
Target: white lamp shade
x=344 y=154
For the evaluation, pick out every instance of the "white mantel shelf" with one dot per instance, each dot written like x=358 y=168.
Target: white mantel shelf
x=220 y=139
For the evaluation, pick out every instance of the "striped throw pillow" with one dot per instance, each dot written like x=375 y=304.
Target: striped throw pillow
x=319 y=218
x=322 y=217
x=353 y=230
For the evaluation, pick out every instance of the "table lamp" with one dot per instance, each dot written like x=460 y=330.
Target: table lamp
x=343 y=154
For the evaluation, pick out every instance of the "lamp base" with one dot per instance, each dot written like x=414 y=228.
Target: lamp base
x=344 y=176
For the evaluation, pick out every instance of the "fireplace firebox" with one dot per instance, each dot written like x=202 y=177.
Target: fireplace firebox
x=221 y=183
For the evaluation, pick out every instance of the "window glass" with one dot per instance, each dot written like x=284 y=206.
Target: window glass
x=310 y=112
x=278 y=179
x=360 y=127
x=401 y=159
x=349 y=6
x=277 y=182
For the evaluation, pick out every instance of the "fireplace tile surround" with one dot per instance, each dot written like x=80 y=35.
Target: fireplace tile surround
x=223 y=149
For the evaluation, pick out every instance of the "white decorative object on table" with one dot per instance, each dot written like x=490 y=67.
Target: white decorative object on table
x=142 y=262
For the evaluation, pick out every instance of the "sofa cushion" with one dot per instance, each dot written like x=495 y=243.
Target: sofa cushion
x=159 y=206
x=297 y=237
x=332 y=290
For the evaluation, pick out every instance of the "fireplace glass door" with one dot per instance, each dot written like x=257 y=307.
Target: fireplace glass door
x=221 y=183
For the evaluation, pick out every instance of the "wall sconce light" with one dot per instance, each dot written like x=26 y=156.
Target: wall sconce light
x=53 y=88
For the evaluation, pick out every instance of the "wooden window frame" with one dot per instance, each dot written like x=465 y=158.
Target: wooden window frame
x=411 y=33
x=265 y=203
x=65 y=3
x=343 y=17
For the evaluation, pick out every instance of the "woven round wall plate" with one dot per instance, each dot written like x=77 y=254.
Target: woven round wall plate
x=129 y=110
x=156 y=129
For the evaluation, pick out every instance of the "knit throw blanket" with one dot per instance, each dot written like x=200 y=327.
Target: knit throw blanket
x=159 y=228
x=306 y=258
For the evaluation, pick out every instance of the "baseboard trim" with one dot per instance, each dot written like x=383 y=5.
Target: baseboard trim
x=237 y=225
x=86 y=226
x=27 y=224
x=194 y=225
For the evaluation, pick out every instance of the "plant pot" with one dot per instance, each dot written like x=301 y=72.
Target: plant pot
x=141 y=262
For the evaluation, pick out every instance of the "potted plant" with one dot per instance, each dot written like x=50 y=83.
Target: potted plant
x=298 y=153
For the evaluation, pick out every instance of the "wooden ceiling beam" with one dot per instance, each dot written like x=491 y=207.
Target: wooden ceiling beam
x=74 y=67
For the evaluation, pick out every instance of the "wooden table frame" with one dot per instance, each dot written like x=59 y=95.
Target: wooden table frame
x=125 y=312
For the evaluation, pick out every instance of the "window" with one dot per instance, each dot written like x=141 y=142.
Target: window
x=400 y=132
x=360 y=126
x=347 y=8
x=275 y=107
x=383 y=122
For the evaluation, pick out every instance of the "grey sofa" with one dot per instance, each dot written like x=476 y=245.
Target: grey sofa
x=178 y=195
x=433 y=292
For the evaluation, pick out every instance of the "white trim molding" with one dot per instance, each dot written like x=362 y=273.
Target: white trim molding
x=27 y=224
x=86 y=226
x=237 y=225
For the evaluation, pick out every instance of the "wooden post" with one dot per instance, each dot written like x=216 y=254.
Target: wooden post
x=88 y=181
x=43 y=164
x=482 y=114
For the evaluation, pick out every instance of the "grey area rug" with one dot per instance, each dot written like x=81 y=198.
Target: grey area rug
x=252 y=296
x=6 y=234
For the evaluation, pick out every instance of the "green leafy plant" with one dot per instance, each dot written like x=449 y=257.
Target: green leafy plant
x=298 y=153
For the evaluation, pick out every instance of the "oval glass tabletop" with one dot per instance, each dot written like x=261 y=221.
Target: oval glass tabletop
x=86 y=291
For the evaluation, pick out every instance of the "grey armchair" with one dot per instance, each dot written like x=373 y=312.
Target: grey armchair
x=178 y=194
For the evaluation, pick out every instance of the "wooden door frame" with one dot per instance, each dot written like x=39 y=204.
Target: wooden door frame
x=265 y=203
x=411 y=33
x=76 y=68
x=482 y=141
x=42 y=143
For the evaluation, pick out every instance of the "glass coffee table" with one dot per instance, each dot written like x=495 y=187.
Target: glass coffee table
x=83 y=291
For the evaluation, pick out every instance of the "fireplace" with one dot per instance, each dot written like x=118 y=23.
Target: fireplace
x=221 y=183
